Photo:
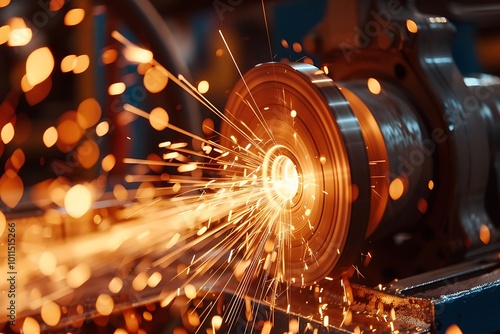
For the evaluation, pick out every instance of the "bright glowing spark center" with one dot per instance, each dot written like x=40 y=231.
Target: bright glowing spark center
x=284 y=177
x=281 y=176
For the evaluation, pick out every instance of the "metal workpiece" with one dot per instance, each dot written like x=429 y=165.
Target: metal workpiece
x=401 y=151
x=462 y=294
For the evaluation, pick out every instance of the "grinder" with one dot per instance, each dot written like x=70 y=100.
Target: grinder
x=391 y=153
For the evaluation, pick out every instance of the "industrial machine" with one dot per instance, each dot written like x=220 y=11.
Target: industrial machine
x=352 y=194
